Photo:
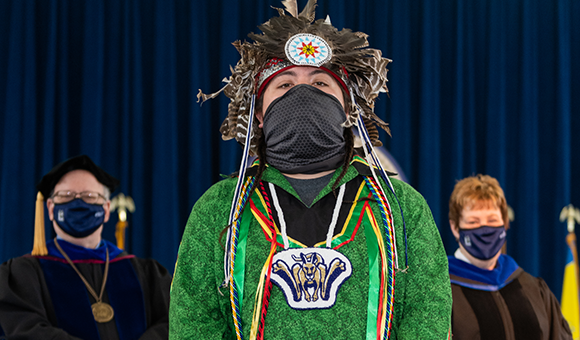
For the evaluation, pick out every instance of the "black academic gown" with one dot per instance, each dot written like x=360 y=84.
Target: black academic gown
x=43 y=298
x=505 y=303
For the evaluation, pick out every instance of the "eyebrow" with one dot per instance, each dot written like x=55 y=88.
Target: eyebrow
x=315 y=71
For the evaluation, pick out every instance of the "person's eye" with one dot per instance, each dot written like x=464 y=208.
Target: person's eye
x=284 y=85
x=320 y=83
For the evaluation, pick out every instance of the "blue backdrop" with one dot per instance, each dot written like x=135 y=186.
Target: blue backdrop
x=476 y=87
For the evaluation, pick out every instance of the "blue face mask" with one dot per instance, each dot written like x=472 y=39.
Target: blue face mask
x=78 y=218
x=484 y=242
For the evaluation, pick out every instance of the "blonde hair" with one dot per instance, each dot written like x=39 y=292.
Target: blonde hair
x=481 y=191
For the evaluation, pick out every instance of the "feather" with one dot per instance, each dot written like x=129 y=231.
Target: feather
x=308 y=11
x=280 y=11
x=291 y=7
x=327 y=20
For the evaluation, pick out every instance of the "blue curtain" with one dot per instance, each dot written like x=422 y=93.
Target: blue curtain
x=475 y=87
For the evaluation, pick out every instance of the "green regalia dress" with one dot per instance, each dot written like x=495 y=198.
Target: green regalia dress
x=422 y=296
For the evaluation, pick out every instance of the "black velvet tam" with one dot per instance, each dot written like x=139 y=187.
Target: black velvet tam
x=82 y=162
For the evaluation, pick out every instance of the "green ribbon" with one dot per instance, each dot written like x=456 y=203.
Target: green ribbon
x=240 y=261
x=374 y=280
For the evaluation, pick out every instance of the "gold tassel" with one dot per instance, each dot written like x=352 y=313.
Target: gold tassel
x=39 y=248
x=120 y=234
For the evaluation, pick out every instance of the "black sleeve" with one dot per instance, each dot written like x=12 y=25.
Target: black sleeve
x=155 y=281
x=559 y=328
x=26 y=310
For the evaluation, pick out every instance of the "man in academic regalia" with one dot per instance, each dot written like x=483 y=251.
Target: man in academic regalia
x=78 y=285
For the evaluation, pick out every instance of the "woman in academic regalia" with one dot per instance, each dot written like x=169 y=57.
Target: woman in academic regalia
x=494 y=298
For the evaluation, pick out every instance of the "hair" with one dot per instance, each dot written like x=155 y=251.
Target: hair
x=106 y=190
x=477 y=192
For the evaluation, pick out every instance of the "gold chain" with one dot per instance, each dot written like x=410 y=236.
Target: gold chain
x=91 y=290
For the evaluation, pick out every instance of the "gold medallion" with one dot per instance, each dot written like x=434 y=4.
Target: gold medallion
x=102 y=312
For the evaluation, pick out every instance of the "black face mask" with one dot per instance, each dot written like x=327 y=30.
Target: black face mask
x=303 y=131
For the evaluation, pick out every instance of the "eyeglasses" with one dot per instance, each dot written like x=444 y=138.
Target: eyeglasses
x=89 y=197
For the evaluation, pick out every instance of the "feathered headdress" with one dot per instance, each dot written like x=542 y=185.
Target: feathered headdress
x=362 y=71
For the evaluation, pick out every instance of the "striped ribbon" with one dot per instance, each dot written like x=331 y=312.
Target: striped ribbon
x=238 y=192
x=235 y=300
x=372 y=158
x=385 y=312
x=268 y=288
x=264 y=288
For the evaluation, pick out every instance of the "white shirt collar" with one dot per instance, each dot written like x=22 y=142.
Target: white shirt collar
x=459 y=255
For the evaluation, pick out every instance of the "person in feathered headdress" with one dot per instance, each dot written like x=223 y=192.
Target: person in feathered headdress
x=314 y=236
